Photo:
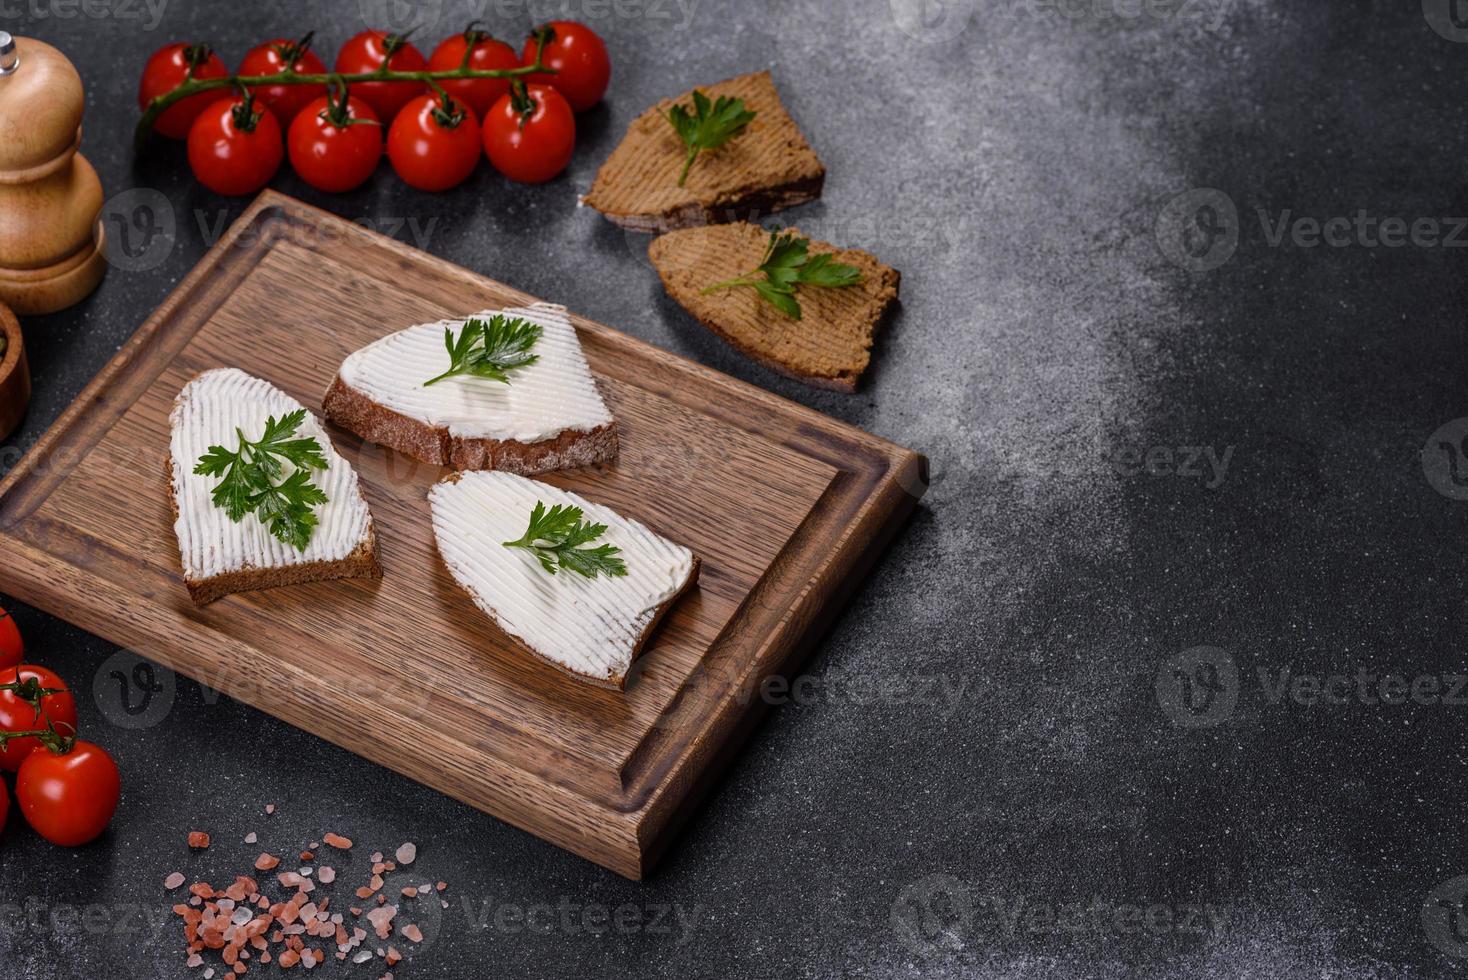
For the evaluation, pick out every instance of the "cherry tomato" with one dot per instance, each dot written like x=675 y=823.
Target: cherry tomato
x=12 y=649
x=235 y=146
x=21 y=694
x=276 y=58
x=166 y=70
x=4 y=805
x=434 y=143
x=483 y=53
x=530 y=134
x=335 y=143
x=579 y=58
x=366 y=52
x=70 y=796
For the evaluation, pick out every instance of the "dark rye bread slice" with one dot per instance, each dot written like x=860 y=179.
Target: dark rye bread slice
x=352 y=410
x=768 y=167
x=829 y=347
x=361 y=563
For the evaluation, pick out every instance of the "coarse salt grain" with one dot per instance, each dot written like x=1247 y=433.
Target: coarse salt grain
x=173 y=880
x=407 y=853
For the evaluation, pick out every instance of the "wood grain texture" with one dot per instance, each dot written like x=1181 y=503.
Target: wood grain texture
x=50 y=244
x=785 y=506
x=15 y=374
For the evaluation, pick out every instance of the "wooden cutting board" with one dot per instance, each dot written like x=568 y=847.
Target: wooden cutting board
x=787 y=508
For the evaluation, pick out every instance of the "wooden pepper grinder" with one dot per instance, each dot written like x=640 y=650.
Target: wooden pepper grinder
x=50 y=242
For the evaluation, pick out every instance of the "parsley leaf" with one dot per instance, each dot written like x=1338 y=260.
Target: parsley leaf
x=490 y=349
x=250 y=471
x=787 y=263
x=555 y=538
x=709 y=126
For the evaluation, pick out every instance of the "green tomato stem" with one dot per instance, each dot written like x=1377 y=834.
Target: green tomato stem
x=194 y=86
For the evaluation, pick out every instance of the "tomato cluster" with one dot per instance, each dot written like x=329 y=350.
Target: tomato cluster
x=67 y=789
x=335 y=135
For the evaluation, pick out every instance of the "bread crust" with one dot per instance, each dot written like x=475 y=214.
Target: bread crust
x=769 y=167
x=373 y=422
x=748 y=204
x=681 y=277
x=361 y=563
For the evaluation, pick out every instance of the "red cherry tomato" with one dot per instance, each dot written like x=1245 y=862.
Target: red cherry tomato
x=4 y=805
x=366 y=52
x=276 y=58
x=484 y=53
x=12 y=649
x=434 y=143
x=69 y=797
x=21 y=695
x=530 y=134
x=335 y=143
x=166 y=70
x=235 y=146
x=579 y=58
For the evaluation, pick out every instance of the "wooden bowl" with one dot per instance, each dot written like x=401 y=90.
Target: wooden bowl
x=15 y=374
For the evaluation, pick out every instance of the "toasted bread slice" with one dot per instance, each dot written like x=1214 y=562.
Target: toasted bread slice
x=550 y=416
x=220 y=556
x=590 y=628
x=828 y=347
x=766 y=168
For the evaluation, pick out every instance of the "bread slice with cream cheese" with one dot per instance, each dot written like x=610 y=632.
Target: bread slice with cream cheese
x=550 y=416
x=591 y=628
x=220 y=556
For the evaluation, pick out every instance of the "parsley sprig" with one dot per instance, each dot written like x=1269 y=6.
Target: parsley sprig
x=250 y=473
x=709 y=126
x=787 y=264
x=555 y=537
x=490 y=349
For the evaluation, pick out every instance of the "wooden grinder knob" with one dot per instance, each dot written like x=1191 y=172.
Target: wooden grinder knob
x=50 y=196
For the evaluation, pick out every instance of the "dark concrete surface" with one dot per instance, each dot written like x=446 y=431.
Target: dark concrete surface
x=1187 y=471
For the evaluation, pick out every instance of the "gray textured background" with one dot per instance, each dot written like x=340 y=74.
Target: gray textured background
x=999 y=772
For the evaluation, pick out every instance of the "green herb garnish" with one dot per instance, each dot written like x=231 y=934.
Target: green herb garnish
x=490 y=349
x=709 y=126
x=250 y=474
x=786 y=265
x=555 y=537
